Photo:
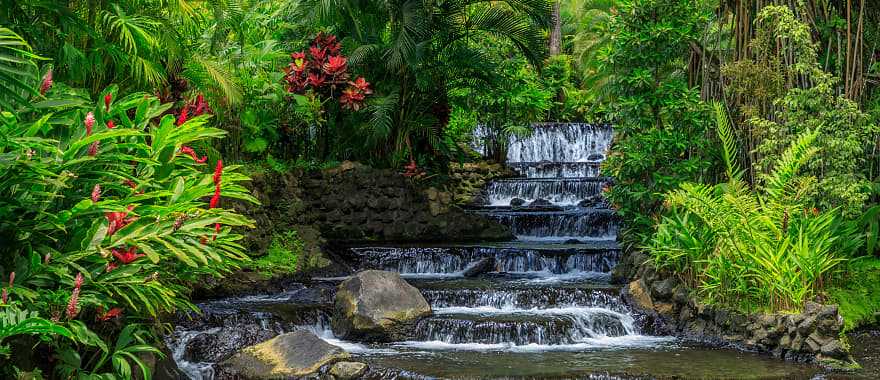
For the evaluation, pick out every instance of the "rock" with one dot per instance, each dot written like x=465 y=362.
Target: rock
x=517 y=202
x=591 y=201
x=596 y=157
x=665 y=309
x=635 y=292
x=680 y=295
x=663 y=289
x=298 y=353
x=811 y=307
x=348 y=370
x=572 y=241
x=486 y=264
x=377 y=306
x=834 y=349
x=540 y=202
x=215 y=347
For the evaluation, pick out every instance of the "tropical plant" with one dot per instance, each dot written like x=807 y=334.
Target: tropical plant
x=762 y=248
x=106 y=209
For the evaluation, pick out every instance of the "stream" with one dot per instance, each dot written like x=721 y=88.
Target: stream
x=545 y=310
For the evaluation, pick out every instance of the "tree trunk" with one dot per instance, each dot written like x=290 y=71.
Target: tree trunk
x=556 y=32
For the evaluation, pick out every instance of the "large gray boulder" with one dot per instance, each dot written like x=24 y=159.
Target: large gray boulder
x=377 y=306
x=294 y=354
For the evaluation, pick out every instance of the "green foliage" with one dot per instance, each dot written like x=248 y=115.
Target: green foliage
x=749 y=249
x=284 y=254
x=99 y=223
x=661 y=138
x=858 y=293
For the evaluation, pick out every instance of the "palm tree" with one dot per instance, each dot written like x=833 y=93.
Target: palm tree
x=416 y=50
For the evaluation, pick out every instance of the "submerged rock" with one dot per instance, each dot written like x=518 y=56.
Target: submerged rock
x=377 y=306
x=298 y=353
x=516 y=202
x=348 y=370
x=484 y=265
x=540 y=202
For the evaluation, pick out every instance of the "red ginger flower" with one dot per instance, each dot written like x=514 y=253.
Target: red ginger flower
x=111 y=124
x=90 y=122
x=96 y=193
x=110 y=267
x=335 y=65
x=110 y=314
x=218 y=172
x=93 y=149
x=117 y=220
x=46 y=84
x=107 y=99
x=4 y=296
x=183 y=116
x=72 y=304
x=127 y=257
x=192 y=153
x=11 y=279
x=215 y=200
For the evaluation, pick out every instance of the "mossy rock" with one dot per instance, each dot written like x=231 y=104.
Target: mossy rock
x=291 y=355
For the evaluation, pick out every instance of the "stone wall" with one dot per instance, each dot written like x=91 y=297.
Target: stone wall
x=814 y=335
x=354 y=204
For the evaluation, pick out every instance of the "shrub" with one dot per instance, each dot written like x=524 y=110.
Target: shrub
x=106 y=209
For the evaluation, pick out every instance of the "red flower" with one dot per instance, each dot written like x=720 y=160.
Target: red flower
x=127 y=257
x=316 y=80
x=117 y=220
x=110 y=314
x=130 y=184
x=202 y=106
x=72 y=307
x=96 y=193
x=192 y=153
x=107 y=99
x=3 y=296
x=361 y=85
x=299 y=62
x=90 y=122
x=318 y=54
x=46 y=84
x=215 y=200
x=351 y=99
x=110 y=267
x=218 y=172
x=335 y=65
x=11 y=279
x=93 y=149
x=111 y=124
x=327 y=41
x=183 y=116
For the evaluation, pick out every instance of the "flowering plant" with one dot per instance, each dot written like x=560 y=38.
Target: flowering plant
x=105 y=213
x=324 y=70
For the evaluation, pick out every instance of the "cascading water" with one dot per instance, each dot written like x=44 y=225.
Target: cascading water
x=544 y=308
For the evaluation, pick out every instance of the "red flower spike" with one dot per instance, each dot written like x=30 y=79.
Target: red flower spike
x=111 y=124
x=110 y=267
x=215 y=200
x=183 y=116
x=127 y=257
x=47 y=258
x=93 y=149
x=11 y=279
x=130 y=184
x=90 y=122
x=78 y=281
x=117 y=220
x=46 y=83
x=218 y=172
x=96 y=193
x=107 y=99
x=192 y=153
x=4 y=297
x=110 y=314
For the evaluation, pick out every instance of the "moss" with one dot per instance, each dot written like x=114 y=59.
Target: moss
x=283 y=254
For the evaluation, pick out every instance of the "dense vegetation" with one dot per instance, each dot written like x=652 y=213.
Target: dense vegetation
x=746 y=150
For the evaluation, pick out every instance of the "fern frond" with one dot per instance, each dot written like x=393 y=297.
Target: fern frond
x=778 y=184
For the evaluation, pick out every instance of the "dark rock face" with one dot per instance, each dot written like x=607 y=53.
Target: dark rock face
x=298 y=353
x=813 y=335
x=517 y=202
x=355 y=203
x=377 y=306
x=486 y=264
x=348 y=370
x=217 y=347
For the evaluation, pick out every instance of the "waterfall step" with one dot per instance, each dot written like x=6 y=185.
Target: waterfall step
x=549 y=169
x=542 y=326
x=453 y=260
x=573 y=224
x=525 y=298
x=561 y=142
x=556 y=191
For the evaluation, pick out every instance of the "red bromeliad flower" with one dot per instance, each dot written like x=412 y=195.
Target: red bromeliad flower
x=183 y=116
x=106 y=316
x=318 y=54
x=298 y=62
x=335 y=65
x=111 y=124
x=316 y=80
x=327 y=41
x=118 y=220
x=46 y=83
x=107 y=99
x=192 y=153
x=127 y=257
x=351 y=99
x=93 y=149
x=361 y=85
x=72 y=304
x=90 y=122
x=96 y=193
